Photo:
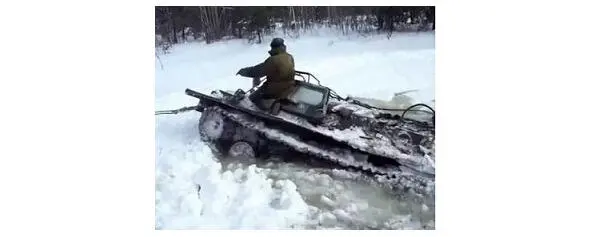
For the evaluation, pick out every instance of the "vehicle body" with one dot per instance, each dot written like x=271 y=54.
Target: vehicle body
x=397 y=145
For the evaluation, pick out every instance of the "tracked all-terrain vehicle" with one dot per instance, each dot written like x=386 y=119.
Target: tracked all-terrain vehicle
x=394 y=144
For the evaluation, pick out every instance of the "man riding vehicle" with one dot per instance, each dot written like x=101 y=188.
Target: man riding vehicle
x=279 y=70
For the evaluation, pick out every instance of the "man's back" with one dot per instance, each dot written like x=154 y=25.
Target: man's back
x=280 y=72
x=280 y=67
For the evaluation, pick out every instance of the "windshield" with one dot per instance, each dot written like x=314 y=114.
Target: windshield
x=307 y=96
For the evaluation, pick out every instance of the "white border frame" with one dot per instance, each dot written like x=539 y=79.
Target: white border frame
x=77 y=121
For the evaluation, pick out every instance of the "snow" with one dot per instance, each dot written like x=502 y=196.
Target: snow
x=195 y=190
x=192 y=190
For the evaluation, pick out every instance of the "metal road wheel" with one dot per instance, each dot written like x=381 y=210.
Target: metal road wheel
x=211 y=125
x=242 y=150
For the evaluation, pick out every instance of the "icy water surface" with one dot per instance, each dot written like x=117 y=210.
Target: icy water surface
x=339 y=199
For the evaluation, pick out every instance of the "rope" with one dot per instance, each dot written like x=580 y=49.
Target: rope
x=176 y=111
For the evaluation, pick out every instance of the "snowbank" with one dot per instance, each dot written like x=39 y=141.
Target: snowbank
x=192 y=191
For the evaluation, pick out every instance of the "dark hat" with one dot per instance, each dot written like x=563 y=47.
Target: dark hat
x=277 y=42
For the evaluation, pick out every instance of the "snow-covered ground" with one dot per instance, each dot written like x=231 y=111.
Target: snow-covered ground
x=195 y=190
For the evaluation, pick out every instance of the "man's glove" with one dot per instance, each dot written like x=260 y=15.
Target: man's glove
x=241 y=72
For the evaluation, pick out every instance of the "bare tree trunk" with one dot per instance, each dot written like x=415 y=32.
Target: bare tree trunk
x=328 y=14
x=216 y=22
x=174 y=35
x=211 y=21
x=293 y=20
x=205 y=23
x=302 y=19
x=259 y=34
